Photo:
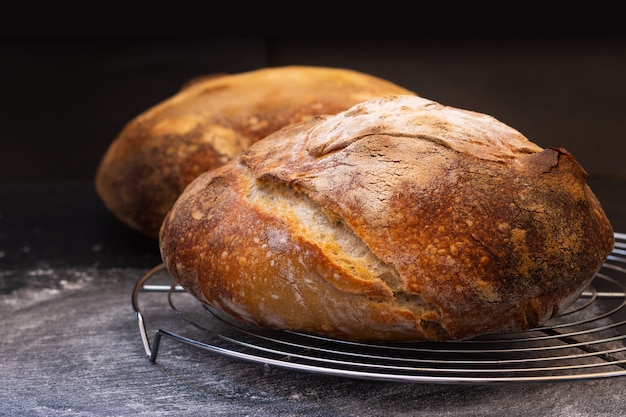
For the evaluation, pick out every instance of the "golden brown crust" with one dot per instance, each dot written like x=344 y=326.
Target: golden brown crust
x=399 y=219
x=208 y=122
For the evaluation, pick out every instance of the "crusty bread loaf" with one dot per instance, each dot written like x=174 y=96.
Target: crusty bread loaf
x=399 y=219
x=209 y=122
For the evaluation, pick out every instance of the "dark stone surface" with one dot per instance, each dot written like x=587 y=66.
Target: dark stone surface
x=75 y=350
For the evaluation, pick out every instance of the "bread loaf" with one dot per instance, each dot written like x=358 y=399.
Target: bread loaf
x=209 y=122
x=399 y=219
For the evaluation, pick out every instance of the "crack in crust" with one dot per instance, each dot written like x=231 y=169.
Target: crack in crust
x=325 y=229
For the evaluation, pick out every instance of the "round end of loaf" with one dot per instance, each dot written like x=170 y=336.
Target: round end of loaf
x=207 y=123
x=399 y=219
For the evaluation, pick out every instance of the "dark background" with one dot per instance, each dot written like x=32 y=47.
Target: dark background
x=70 y=79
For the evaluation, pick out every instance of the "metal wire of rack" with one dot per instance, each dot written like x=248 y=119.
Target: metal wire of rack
x=588 y=341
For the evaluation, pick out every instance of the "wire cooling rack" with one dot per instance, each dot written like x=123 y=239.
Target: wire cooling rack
x=588 y=341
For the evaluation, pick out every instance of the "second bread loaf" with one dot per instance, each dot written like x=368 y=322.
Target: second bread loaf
x=208 y=123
